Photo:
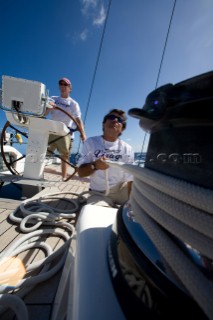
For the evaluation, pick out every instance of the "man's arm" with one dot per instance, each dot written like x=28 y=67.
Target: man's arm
x=86 y=169
x=49 y=109
x=81 y=126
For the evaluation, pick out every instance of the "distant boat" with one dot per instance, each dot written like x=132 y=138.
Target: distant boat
x=74 y=158
x=139 y=158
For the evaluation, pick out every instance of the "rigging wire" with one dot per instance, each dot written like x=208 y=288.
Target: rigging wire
x=165 y=45
x=98 y=58
x=96 y=66
x=162 y=59
x=142 y=148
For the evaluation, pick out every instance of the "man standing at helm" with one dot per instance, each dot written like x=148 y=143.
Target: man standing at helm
x=64 y=143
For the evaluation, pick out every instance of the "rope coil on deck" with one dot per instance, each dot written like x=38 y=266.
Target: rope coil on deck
x=161 y=203
x=35 y=212
x=45 y=268
x=34 y=209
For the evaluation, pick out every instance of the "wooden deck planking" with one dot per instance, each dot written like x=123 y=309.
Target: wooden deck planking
x=4 y=214
x=8 y=204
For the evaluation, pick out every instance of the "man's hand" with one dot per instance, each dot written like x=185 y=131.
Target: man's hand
x=49 y=106
x=83 y=137
x=101 y=164
x=53 y=104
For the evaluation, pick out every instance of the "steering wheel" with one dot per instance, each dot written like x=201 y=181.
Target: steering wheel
x=11 y=164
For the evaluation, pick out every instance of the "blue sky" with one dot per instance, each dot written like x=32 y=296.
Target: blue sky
x=44 y=40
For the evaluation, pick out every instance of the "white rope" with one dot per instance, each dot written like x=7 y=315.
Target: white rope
x=161 y=203
x=174 y=225
x=194 y=218
x=36 y=213
x=30 y=237
x=107 y=182
x=196 y=196
x=198 y=285
x=38 y=271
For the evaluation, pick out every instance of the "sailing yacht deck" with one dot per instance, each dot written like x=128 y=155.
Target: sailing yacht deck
x=40 y=299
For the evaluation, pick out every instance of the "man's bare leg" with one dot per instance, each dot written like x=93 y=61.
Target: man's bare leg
x=64 y=166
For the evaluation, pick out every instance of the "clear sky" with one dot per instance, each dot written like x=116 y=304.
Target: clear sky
x=44 y=40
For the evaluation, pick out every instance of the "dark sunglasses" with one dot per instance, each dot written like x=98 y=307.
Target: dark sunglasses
x=113 y=117
x=63 y=84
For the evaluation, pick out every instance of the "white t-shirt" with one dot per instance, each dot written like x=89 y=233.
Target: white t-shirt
x=96 y=147
x=70 y=106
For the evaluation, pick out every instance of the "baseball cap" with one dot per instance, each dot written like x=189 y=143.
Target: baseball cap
x=66 y=80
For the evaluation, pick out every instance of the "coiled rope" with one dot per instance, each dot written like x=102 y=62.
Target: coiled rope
x=47 y=267
x=35 y=212
x=161 y=203
x=34 y=209
x=32 y=240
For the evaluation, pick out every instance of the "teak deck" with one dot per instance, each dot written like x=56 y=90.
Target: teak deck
x=41 y=298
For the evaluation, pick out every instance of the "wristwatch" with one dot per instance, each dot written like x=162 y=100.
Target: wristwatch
x=93 y=166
